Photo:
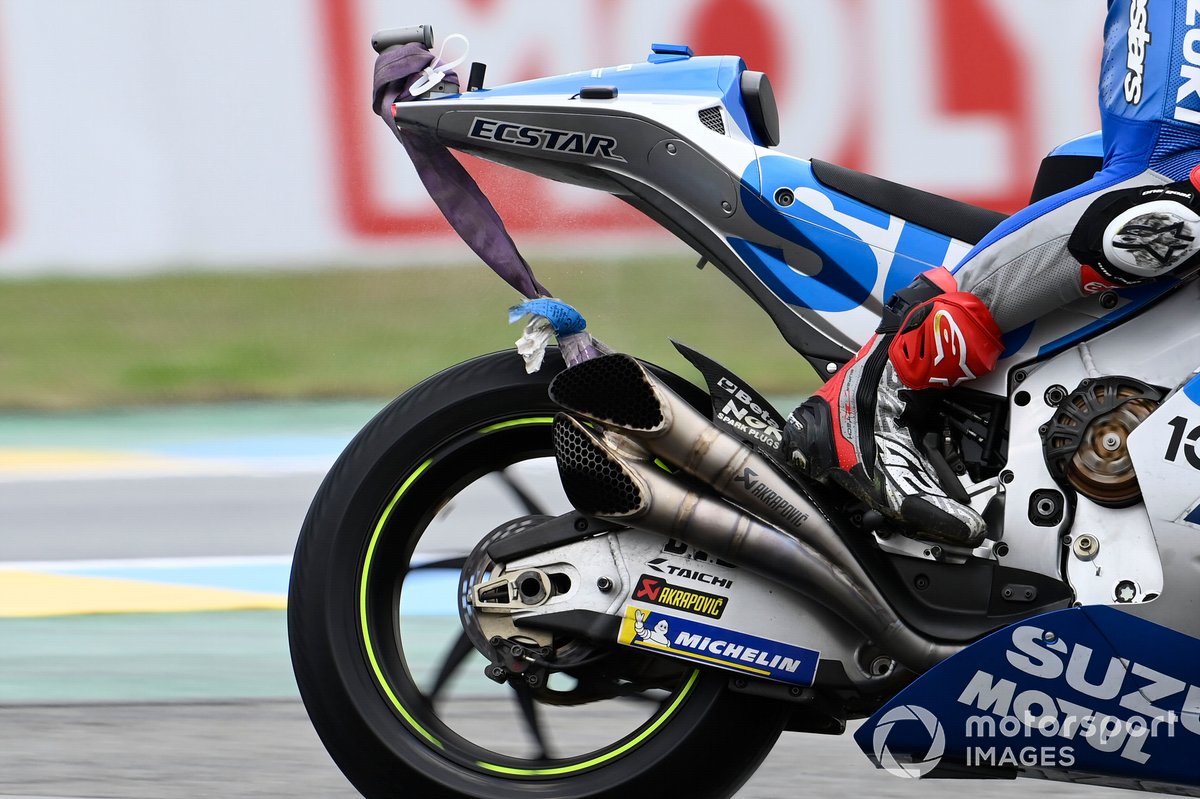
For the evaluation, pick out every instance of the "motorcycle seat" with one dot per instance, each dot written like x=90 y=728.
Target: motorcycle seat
x=952 y=218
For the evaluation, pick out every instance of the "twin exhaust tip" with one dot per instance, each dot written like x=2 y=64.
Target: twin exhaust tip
x=613 y=390
x=611 y=475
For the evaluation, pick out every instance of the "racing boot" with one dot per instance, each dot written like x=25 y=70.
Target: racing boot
x=851 y=430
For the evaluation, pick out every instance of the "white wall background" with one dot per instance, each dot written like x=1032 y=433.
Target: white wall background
x=165 y=134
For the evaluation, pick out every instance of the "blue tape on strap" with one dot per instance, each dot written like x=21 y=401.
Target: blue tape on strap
x=563 y=318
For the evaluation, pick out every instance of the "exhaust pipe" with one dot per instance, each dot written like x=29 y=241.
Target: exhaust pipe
x=602 y=480
x=611 y=481
x=617 y=391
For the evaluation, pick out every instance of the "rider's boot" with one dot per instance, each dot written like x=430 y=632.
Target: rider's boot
x=854 y=432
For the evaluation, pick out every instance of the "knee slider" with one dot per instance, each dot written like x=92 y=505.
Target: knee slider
x=946 y=341
x=1131 y=236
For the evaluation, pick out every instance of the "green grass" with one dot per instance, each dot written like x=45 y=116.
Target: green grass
x=88 y=342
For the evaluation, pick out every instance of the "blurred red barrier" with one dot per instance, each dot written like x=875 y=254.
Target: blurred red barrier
x=956 y=101
x=521 y=199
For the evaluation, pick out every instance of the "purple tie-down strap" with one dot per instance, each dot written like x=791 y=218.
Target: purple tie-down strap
x=450 y=186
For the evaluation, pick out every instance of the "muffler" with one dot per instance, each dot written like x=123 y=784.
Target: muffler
x=606 y=478
x=617 y=391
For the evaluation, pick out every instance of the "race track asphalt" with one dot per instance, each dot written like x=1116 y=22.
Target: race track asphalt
x=200 y=702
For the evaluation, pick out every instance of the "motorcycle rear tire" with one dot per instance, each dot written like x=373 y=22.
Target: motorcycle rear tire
x=706 y=745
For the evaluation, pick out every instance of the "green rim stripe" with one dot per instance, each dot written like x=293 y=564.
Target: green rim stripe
x=363 y=608
x=646 y=733
x=379 y=677
x=517 y=423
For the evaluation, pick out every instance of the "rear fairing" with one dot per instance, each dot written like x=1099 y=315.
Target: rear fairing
x=676 y=141
x=820 y=267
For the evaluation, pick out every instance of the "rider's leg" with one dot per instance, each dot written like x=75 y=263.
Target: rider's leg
x=1117 y=229
x=1140 y=229
x=851 y=430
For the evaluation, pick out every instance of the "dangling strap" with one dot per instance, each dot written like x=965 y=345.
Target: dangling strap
x=452 y=189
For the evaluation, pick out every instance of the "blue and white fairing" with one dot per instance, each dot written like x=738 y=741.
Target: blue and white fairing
x=1086 y=694
x=821 y=262
x=845 y=258
x=826 y=258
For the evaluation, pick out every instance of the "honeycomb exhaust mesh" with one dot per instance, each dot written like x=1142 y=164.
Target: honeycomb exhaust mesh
x=711 y=118
x=612 y=389
x=593 y=481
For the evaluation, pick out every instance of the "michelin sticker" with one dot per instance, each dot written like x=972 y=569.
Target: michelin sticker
x=703 y=643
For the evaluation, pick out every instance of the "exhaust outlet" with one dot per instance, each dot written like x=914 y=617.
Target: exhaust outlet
x=617 y=391
x=602 y=480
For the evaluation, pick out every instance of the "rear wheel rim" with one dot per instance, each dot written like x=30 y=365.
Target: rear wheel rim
x=388 y=559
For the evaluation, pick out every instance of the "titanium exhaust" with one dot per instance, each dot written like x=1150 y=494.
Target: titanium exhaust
x=602 y=480
x=610 y=478
x=617 y=391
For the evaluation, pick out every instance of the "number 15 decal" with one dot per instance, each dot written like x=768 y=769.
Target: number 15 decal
x=1180 y=425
